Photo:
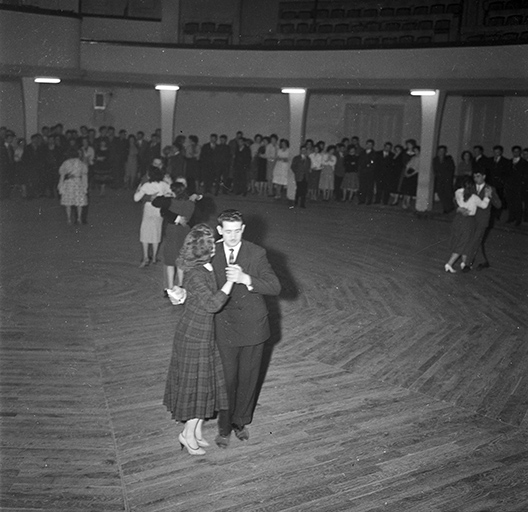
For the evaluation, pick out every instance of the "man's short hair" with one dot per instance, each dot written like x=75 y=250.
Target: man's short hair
x=499 y=147
x=371 y=141
x=230 y=216
x=516 y=147
x=478 y=146
x=442 y=146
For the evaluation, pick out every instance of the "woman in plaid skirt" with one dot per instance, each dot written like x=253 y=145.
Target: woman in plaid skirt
x=195 y=388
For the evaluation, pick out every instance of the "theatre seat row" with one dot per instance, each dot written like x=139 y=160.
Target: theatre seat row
x=499 y=21
x=391 y=41
x=507 y=6
x=439 y=26
x=421 y=10
x=208 y=28
x=351 y=42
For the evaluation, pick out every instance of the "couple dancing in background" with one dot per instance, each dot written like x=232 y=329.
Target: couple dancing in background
x=471 y=223
x=219 y=340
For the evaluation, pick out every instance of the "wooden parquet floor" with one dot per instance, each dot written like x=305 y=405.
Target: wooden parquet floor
x=392 y=386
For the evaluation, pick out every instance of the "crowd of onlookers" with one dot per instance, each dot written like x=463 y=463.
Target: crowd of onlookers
x=344 y=171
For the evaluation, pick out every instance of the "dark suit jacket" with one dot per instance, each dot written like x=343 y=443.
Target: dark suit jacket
x=482 y=216
x=243 y=320
x=369 y=162
x=385 y=166
x=301 y=167
x=208 y=159
x=499 y=172
x=483 y=165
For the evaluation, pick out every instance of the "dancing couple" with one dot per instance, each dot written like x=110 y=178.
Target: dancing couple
x=219 y=340
x=471 y=223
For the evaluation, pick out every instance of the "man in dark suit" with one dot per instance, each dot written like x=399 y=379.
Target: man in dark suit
x=208 y=161
x=143 y=154
x=368 y=165
x=476 y=252
x=223 y=166
x=499 y=170
x=524 y=156
x=300 y=167
x=444 y=172
x=7 y=165
x=383 y=177
x=242 y=325
x=480 y=161
x=513 y=187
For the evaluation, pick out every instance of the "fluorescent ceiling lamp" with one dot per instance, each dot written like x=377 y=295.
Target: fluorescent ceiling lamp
x=422 y=92
x=167 y=87
x=293 y=90
x=47 y=80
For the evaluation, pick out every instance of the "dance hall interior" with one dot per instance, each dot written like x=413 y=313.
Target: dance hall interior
x=388 y=384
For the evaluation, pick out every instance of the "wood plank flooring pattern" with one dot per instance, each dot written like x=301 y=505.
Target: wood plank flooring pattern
x=392 y=386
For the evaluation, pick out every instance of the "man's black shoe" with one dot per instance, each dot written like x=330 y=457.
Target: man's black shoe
x=241 y=433
x=222 y=441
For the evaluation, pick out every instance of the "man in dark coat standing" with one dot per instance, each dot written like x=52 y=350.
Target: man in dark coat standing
x=499 y=170
x=444 y=172
x=300 y=167
x=208 y=161
x=242 y=325
x=368 y=165
x=513 y=186
x=384 y=174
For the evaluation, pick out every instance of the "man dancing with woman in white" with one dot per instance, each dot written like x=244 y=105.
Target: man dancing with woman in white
x=463 y=227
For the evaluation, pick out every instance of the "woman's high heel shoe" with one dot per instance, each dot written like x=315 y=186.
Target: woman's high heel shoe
x=192 y=451
x=449 y=268
x=202 y=442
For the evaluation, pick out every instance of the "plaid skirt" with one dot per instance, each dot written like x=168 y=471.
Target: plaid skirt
x=195 y=386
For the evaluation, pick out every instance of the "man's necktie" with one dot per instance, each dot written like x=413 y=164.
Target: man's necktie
x=231 y=256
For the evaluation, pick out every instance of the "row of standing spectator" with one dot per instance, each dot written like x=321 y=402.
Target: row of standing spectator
x=344 y=171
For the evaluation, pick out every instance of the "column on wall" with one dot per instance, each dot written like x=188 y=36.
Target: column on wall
x=167 y=104
x=297 y=100
x=31 y=95
x=432 y=106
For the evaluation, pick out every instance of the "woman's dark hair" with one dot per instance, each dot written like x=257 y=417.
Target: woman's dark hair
x=155 y=174
x=180 y=191
x=198 y=247
x=466 y=152
x=468 y=186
